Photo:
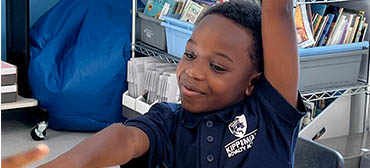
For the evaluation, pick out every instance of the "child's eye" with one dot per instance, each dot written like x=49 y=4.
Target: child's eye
x=217 y=68
x=189 y=56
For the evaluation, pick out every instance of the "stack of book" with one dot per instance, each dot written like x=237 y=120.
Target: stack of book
x=8 y=83
x=190 y=10
x=153 y=80
x=324 y=25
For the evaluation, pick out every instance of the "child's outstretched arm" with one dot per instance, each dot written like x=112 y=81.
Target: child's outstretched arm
x=280 y=47
x=114 y=145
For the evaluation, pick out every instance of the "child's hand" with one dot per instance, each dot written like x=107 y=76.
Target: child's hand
x=23 y=159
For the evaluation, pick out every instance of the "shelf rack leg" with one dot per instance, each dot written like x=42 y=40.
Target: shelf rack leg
x=366 y=112
x=133 y=37
x=367 y=98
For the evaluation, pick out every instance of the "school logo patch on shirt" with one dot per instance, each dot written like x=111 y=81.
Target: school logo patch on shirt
x=244 y=140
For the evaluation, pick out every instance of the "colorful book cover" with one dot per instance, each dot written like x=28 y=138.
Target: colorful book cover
x=317 y=23
x=303 y=27
x=354 y=28
x=191 y=12
x=338 y=12
x=154 y=7
x=326 y=30
x=347 y=28
x=338 y=33
x=321 y=29
x=358 y=34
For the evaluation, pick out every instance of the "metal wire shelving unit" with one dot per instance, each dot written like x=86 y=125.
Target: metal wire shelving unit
x=163 y=56
x=309 y=95
x=328 y=93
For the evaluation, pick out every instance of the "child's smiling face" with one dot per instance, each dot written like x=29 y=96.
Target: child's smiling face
x=216 y=70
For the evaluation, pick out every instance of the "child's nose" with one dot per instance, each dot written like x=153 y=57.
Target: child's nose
x=196 y=72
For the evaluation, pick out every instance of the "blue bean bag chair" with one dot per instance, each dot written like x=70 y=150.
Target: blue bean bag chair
x=79 y=51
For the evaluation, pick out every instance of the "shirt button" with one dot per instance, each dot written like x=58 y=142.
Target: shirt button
x=209 y=124
x=210 y=139
x=210 y=158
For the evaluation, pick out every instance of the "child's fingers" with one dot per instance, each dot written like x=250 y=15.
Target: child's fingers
x=25 y=158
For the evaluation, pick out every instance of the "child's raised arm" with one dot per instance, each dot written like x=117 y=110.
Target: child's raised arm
x=280 y=47
x=114 y=145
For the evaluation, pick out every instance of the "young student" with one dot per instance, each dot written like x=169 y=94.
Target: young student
x=240 y=102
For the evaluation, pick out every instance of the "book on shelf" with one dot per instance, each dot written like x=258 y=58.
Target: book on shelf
x=354 y=29
x=303 y=27
x=359 y=29
x=191 y=12
x=154 y=7
x=316 y=23
x=321 y=29
x=179 y=7
x=164 y=11
x=364 y=30
x=326 y=30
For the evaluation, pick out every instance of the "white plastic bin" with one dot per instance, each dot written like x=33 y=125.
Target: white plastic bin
x=141 y=106
x=128 y=101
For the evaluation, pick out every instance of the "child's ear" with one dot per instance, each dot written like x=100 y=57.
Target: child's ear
x=252 y=81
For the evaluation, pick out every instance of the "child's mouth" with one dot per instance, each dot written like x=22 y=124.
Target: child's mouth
x=190 y=91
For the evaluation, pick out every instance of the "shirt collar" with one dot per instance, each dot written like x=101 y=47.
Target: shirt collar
x=226 y=115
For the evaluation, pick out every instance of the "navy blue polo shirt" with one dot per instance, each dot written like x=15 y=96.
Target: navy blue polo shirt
x=260 y=131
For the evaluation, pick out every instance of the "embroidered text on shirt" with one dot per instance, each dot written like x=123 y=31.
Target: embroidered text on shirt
x=239 y=128
x=241 y=144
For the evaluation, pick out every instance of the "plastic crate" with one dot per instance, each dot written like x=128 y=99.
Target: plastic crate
x=177 y=35
x=331 y=66
x=151 y=31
